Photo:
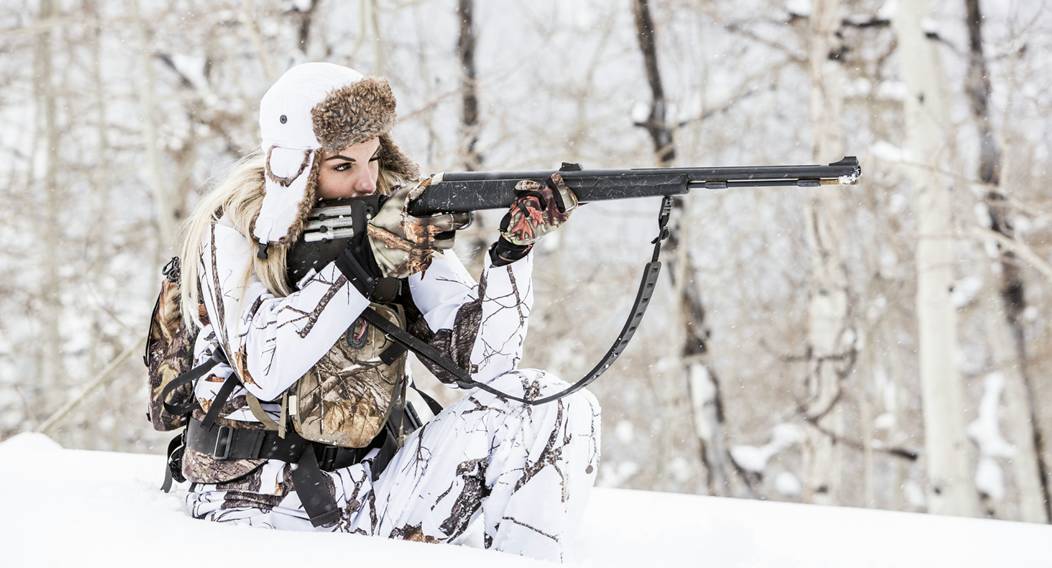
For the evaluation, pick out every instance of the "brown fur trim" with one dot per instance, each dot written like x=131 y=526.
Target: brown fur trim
x=309 y=197
x=393 y=160
x=283 y=181
x=262 y=188
x=354 y=113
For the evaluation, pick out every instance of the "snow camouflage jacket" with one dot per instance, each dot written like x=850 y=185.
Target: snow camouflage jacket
x=273 y=341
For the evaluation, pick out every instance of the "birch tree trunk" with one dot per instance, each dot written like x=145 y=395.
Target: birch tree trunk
x=100 y=174
x=469 y=122
x=163 y=194
x=1007 y=338
x=929 y=150
x=830 y=331
x=469 y=100
x=702 y=381
x=306 y=23
x=379 y=49
x=52 y=366
x=250 y=20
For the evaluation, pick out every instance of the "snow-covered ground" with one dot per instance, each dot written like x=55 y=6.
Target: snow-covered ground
x=82 y=508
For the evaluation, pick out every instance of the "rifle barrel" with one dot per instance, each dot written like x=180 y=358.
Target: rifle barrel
x=473 y=191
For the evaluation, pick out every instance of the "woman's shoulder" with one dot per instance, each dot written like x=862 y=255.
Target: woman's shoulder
x=222 y=223
x=226 y=238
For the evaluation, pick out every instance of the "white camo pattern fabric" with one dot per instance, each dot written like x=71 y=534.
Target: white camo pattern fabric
x=527 y=470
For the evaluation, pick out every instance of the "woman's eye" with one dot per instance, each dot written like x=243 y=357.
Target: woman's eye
x=343 y=167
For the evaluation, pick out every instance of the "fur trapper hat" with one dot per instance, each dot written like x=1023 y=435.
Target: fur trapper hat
x=310 y=108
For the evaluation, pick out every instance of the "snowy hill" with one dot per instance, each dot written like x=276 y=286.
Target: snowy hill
x=73 y=507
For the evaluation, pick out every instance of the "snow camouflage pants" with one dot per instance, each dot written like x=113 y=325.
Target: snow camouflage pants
x=527 y=469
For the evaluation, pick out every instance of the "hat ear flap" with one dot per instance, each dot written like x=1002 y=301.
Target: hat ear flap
x=281 y=165
x=289 y=190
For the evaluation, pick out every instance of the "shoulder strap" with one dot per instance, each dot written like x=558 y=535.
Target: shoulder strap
x=192 y=375
x=189 y=377
x=220 y=399
x=463 y=379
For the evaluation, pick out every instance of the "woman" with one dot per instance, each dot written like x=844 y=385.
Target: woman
x=526 y=469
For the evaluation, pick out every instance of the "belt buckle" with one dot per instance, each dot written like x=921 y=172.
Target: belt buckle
x=223 y=439
x=328 y=457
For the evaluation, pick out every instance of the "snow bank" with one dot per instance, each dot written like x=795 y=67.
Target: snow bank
x=73 y=507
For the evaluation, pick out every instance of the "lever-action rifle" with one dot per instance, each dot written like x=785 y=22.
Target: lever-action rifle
x=331 y=223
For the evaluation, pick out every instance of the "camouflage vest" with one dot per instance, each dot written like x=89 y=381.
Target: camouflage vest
x=344 y=400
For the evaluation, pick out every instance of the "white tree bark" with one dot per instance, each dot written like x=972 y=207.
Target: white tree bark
x=929 y=137
x=830 y=333
x=379 y=48
x=1016 y=418
x=701 y=377
x=251 y=21
x=163 y=193
x=1006 y=333
x=478 y=235
x=53 y=369
x=101 y=183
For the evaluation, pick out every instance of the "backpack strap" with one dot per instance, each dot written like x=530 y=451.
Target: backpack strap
x=218 y=356
x=174 y=461
x=177 y=446
x=310 y=482
x=220 y=399
x=190 y=376
x=260 y=414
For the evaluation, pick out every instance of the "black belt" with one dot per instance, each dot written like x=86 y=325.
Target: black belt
x=226 y=443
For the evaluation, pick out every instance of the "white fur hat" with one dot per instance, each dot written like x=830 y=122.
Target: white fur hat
x=315 y=106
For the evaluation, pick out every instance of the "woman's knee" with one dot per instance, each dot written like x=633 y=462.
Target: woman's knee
x=534 y=384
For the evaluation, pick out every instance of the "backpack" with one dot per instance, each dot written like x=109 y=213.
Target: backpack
x=169 y=356
x=171 y=376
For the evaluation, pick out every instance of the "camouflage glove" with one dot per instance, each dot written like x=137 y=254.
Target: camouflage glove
x=538 y=209
x=403 y=244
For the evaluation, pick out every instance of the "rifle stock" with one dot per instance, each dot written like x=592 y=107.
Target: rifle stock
x=473 y=191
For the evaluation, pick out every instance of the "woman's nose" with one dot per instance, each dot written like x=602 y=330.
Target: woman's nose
x=363 y=183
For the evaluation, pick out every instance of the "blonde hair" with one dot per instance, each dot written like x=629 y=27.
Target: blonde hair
x=239 y=196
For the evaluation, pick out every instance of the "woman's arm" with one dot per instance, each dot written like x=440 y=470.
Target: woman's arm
x=271 y=341
x=482 y=327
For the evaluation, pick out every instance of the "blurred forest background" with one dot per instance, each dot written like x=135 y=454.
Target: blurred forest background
x=883 y=345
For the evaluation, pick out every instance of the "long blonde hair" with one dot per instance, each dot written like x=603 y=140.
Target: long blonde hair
x=239 y=196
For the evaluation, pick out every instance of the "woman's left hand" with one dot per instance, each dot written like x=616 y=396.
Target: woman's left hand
x=538 y=209
x=403 y=244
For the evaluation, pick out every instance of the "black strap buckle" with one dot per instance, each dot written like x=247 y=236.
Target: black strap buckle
x=223 y=439
x=327 y=459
